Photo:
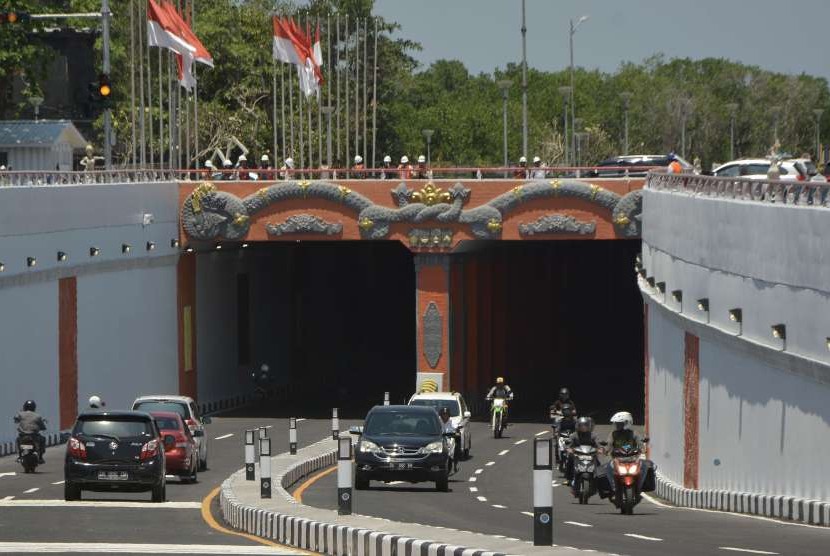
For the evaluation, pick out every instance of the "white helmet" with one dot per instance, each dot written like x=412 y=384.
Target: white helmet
x=422 y=159
x=404 y=159
x=522 y=160
x=623 y=417
x=208 y=164
x=242 y=158
x=264 y=158
x=358 y=159
x=387 y=158
x=289 y=162
x=227 y=163
x=95 y=402
x=536 y=159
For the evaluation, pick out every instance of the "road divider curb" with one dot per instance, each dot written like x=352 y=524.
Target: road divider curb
x=810 y=512
x=286 y=521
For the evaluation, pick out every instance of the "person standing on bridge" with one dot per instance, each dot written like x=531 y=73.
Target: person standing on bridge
x=538 y=172
x=387 y=172
x=521 y=170
x=421 y=171
x=359 y=168
x=266 y=171
x=286 y=170
x=674 y=166
x=404 y=168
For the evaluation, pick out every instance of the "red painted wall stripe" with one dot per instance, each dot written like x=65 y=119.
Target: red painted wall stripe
x=433 y=287
x=646 y=372
x=691 y=395
x=68 y=350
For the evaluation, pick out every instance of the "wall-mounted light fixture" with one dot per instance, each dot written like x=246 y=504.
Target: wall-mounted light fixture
x=189 y=250
x=174 y=243
x=244 y=246
x=650 y=281
x=661 y=287
x=779 y=332
x=150 y=246
x=703 y=306
x=31 y=261
x=126 y=248
x=62 y=256
x=94 y=251
x=218 y=246
x=642 y=272
x=736 y=315
x=147 y=219
x=677 y=295
x=3 y=269
x=826 y=340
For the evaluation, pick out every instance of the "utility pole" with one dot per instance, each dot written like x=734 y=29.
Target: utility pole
x=504 y=85
x=105 y=39
x=574 y=26
x=626 y=98
x=524 y=83
x=733 y=110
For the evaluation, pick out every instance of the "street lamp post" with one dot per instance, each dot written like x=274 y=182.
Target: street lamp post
x=685 y=109
x=733 y=112
x=574 y=26
x=105 y=42
x=524 y=82
x=776 y=114
x=36 y=101
x=580 y=137
x=427 y=133
x=327 y=110
x=626 y=100
x=566 y=95
x=504 y=85
x=817 y=112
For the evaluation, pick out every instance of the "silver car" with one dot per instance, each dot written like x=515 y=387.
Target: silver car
x=185 y=407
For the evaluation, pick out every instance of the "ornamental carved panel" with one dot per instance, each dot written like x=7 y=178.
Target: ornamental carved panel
x=433 y=330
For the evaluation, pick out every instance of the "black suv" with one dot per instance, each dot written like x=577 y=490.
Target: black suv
x=636 y=165
x=114 y=450
x=402 y=443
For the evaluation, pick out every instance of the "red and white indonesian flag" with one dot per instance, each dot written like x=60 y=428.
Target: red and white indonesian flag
x=167 y=29
x=293 y=46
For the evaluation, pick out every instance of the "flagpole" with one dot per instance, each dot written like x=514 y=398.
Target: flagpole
x=171 y=113
x=375 y=97
x=365 y=88
x=274 y=105
x=337 y=88
x=319 y=105
x=142 y=135
x=282 y=110
x=195 y=95
x=132 y=82
x=293 y=152
x=302 y=125
x=348 y=153
x=149 y=116
x=356 y=86
x=161 y=114
x=305 y=98
x=178 y=107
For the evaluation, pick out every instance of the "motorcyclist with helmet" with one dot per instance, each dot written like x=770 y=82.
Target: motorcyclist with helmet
x=583 y=436
x=449 y=428
x=503 y=391
x=96 y=403
x=30 y=423
x=622 y=435
x=564 y=397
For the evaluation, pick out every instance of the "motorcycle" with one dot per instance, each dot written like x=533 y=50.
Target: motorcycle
x=561 y=448
x=27 y=453
x=498 y=411
x=632 y=475
x=585 y=464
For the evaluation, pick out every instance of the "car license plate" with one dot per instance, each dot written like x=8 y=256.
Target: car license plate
x=26 y=447
x=113 y=475
x=403 y=466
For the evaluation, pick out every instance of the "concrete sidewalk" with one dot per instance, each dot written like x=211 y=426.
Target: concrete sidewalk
x=284 y=520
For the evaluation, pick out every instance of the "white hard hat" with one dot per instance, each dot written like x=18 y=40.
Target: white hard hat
x=358 y=159
x=242 y=158
x=289 y=162
x=623 y=417
x=387 y=158
x=208 y=164
x=2 y=166
x=264 y=158
x=96 y=402
x=404 y=159
x=227 y=163
x=422 y=158
x=522 y=159
x=536 y=159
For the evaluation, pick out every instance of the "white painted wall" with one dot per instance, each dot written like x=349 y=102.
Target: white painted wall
x=29 y=353
x=127 y=335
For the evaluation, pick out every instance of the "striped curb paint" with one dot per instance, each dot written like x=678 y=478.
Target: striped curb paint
x=811 y=512
x=9 y=447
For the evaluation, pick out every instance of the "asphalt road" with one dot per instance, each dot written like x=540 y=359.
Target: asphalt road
x=493 y=491
x=34 y=517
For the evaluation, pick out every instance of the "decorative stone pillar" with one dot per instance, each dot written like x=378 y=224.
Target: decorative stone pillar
x=432 y=316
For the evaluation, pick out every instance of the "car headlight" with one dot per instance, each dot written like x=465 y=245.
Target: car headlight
x=367 y=446
x=433 y=448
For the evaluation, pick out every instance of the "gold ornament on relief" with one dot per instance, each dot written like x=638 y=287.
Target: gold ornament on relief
x=304 y=185
x=431 y=195
x=494 y=225
x=555 y=184
x=622 y=220
x=344 y=192
x=262 y=192
x=203 y=190
x=595 y=189
x=365 y=223
x=240 y=219
x=517 y=191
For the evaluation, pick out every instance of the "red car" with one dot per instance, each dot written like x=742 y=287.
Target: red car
x=180 y=452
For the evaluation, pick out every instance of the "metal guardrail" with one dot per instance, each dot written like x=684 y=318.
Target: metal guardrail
x=800 y=193
x=56 y=178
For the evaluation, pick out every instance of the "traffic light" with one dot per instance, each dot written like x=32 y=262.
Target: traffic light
x=13 y=18
x=100 y=92
x=104 y=88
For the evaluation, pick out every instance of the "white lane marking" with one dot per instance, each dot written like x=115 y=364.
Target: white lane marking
x=654 y=501
x=541 y=433
x=9 y=501
x=489 y=463
x=503 y=452
x=224 y=436
x=473 y=489
x=733 y=549
x=555 y=484
x=641 y=537
x=111 y=548
x=58 y=482
x=31 y=490
x=301 y=419
x=578 y=524
x=473 y=479
x=479 y=471
x=8 y=474
x=481 y=498
x=528 y=513
x=499 y=506
x=522 y=441
x=395 y=483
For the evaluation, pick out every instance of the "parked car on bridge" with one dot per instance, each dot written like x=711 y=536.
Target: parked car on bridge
x=758 y=168
x=114 y=451
x=636 y=165
x=459 y=414
x=810 y=169
x=186 y=408
x=402 y=443
x=181 y=455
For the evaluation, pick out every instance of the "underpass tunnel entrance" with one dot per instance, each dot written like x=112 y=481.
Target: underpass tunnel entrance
x=547 y=314
x=334 y=322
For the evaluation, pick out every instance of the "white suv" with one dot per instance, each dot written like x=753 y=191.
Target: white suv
x=757 y=168
x=459 y=414
x=185 y=407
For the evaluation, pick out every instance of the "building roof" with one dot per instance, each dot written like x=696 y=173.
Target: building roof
x=43 y=133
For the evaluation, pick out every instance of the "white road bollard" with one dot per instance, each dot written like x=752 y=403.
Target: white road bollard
x=250 y=457
x=264 y=467
x=335 y=424
x=292 y=436
x=542 y=492
x=386 y=398
x=344 y=476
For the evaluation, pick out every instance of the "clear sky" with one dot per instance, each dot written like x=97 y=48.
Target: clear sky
x=789 y=36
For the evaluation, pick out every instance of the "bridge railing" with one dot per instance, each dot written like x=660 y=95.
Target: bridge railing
x=57 y=178
x=802 y=193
